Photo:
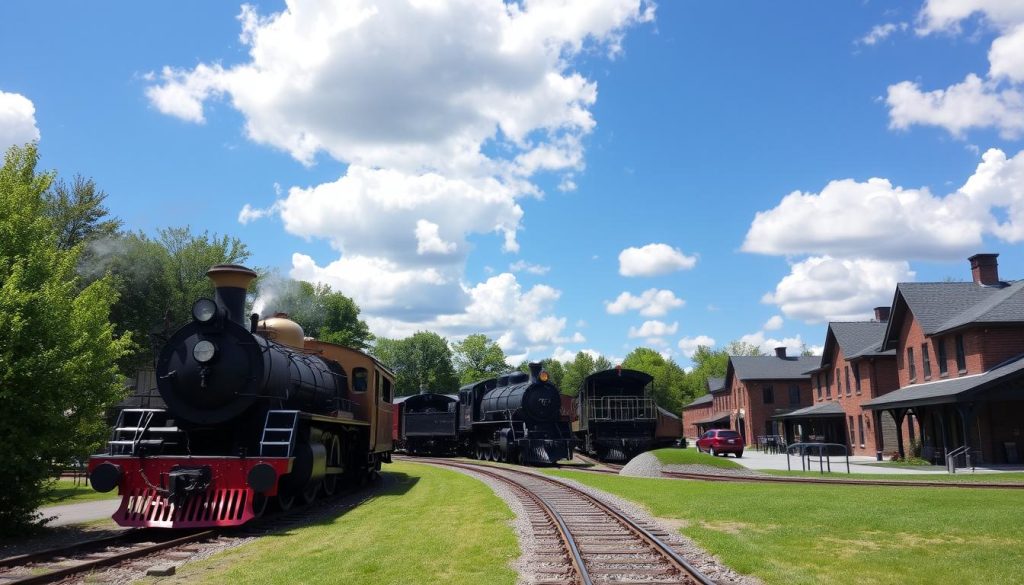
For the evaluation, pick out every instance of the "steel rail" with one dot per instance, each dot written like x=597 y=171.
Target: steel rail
x=113 y=559
x=681 y=564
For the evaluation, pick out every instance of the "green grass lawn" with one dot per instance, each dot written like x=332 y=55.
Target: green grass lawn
x=693 y=457
x=810 y=534
x=66 y=492
x=427 y=526
x=1007 y=477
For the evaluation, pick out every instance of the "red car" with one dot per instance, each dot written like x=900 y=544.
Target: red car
x=721 y=441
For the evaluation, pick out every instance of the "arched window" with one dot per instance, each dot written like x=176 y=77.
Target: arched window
x=360 y=379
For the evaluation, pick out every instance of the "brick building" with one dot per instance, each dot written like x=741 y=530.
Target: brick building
x=758 y=388
x=853 y=370
x=960 y=359
x=697 y=415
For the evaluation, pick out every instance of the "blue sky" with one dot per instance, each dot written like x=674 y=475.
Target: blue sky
x=467 y=165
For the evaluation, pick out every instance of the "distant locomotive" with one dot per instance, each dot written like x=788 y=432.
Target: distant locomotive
x=514 y=418
x=615 y=417
x=426 y=424
x=253 y=414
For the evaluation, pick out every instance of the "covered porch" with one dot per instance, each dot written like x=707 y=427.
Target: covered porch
x=718 y=420
x=978 y=418
x=820 y=423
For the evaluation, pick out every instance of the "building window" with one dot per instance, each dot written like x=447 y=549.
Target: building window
x=926 y=362
x=817 y=383
x=794 y=394
x=852 y=438
x=768 y=394
x=961 y=359
x=940 y=355
x=839 y=384
x=860 y=428
x=849 y=389
x=910 y=365
x=856 y=376
x=828 y=387
x=360 y=379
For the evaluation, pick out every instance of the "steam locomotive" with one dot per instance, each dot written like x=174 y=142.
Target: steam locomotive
x=255 y=413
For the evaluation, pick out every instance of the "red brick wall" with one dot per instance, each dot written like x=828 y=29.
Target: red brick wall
x=692 y=415
x=996 y=345
x=758 y=413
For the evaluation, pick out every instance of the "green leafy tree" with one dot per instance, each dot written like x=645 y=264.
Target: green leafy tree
x=743 y=348
x=422 y=359
x=58 y=350
x=554 y=368
x=78 y=213
x=669 y=378
x=575 y=371
x=602 y=363
x=324 y=314
x=707 y=363
x=477 y=357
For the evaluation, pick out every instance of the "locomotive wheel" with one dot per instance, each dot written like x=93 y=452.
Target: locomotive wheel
x=333 y=445
x=285 y=501
x=259 y=504
x=310 y=491
x=477 y=454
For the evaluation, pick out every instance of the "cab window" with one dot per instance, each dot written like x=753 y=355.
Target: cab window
x=360 y=379
x=383 y=387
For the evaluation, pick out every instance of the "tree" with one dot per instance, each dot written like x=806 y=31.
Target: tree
x=668 y=376
x=554 y=368
x=575 y=371
x=323 y=313
x=743 y=348
x=707 y=363
x=422 y=359
x=477 y=357
x=78 y=213
x=58 y=350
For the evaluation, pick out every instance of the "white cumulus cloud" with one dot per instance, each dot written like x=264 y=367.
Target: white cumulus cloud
x=428 y=239
x=993 y=101
x=653 y=328
x=524 y=266
x=17 y=120
x=823 y=288
x=653 y=259
x=794 y=345
x=773 y=323
x=650 y=303
x=689 y=345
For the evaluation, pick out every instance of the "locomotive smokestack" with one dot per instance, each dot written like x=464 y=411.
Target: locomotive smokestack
x=231 y=281
x=535 y=372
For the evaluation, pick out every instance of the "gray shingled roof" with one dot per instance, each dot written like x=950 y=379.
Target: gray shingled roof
x=941 y=306
x=773 y=368
x=860 y=338
x=713 y=418
x=706 y=399
x=824 y=409
x=715 y=384
x=949 y=390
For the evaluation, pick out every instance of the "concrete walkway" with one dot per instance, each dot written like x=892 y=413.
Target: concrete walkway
x=79 y=513
x=760 y=460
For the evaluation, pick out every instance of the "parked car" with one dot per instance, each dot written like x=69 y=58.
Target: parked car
x=720 y=442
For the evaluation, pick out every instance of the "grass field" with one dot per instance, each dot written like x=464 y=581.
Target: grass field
x=66 y=492
x=810 y=534
x=426 y=526
x=693 y=457
x=1007 y=477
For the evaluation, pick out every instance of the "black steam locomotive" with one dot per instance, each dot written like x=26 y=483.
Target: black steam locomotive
x=254 y=412
x=514 y=418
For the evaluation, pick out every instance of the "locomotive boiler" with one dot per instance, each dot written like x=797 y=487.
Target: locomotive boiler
x=514 y=418
x=254 y=412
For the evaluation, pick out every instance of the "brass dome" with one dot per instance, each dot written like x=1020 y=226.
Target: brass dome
x=283 y=330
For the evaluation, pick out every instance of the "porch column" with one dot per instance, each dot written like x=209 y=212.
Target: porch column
x=897 y=415
x=879 y=439
x=966 y=411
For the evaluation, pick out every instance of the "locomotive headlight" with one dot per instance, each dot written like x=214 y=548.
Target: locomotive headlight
x=203 y=310
x=204 y=351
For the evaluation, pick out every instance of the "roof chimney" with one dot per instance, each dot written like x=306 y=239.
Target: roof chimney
x=882 y=314
x=780 y=352
x=985 y=269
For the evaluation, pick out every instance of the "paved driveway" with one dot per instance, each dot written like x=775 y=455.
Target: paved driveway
x=79 y=513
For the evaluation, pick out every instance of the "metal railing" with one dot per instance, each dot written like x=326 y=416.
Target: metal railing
x=615 y=408
x=970 y=457
x=824 y=453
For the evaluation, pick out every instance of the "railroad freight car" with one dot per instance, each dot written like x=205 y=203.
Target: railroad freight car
x=668 y=430
x=428 y=424
x=255 y=412
x=515 y=418
x=616 y=416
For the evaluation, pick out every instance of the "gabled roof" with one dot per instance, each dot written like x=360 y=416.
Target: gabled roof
x=944 y=306
x=715 y=384
x=951 y=389
x=706 y=399
x=826 y=409
x=746 y=367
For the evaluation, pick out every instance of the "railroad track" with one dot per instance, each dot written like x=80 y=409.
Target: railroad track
x=588 y=541
x=60 y=563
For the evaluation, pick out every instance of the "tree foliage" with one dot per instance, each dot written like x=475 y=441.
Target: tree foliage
x=742 y=348
x=422 y=359
x=324 y=314
x=478 y=357
x=575 y=371
x=669 y=378
x=707 y=363
x=78 y=213
x=58 y=350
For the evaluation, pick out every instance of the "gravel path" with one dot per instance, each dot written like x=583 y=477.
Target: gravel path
x=647 y=465
x=696 y=556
